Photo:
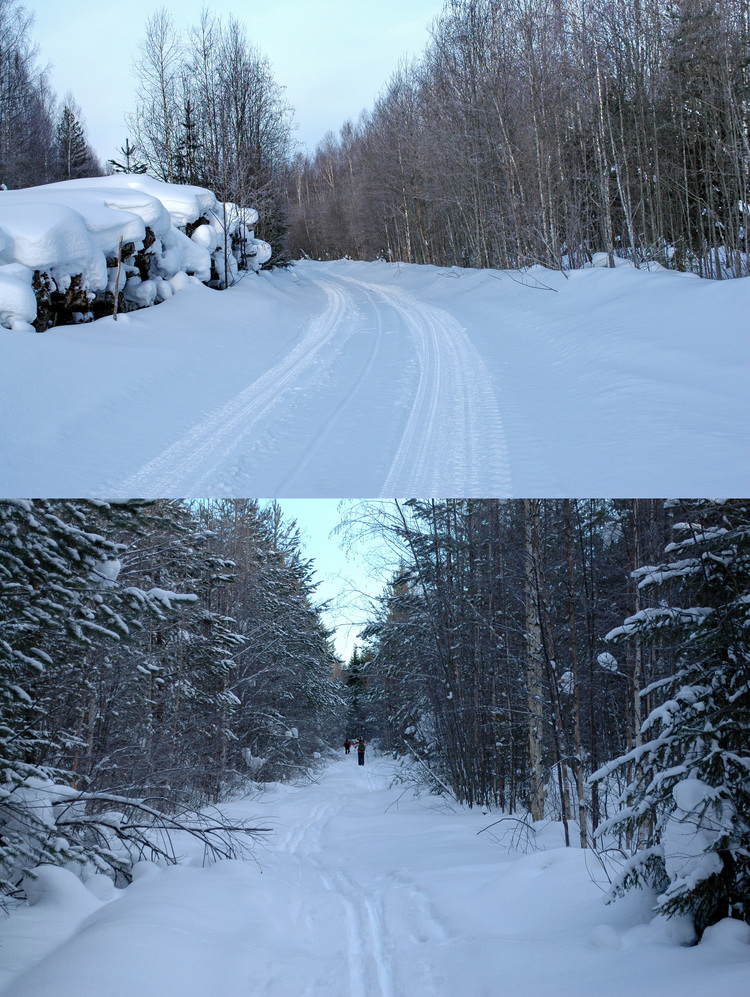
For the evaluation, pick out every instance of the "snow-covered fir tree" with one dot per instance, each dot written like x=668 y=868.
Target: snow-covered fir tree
x=161 y=706
x=59 y=599
x=289 y=706
x=686 y=802
x=138 y=661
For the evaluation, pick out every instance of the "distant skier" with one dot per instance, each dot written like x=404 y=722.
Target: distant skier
x=361 y=751
x=347 y=745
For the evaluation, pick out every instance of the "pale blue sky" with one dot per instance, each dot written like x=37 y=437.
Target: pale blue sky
x=351 y=580
x=333 y=56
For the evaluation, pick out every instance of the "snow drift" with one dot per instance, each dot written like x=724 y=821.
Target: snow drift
x=60 y=245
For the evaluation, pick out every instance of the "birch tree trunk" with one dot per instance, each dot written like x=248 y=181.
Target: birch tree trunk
x=533 y=670
x=576 y=686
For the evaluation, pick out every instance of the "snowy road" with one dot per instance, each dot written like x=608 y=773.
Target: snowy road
x=370 y=379
x=362 y=891
x=445 y=424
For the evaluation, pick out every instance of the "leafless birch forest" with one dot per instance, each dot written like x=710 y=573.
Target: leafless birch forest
x=543 y=131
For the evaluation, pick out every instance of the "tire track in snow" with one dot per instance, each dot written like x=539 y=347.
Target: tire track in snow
x=454 y=429
x=188 y=465
x=351 y=396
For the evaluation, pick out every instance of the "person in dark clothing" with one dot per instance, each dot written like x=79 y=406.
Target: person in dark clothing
x=347 y=745
x=361 y=752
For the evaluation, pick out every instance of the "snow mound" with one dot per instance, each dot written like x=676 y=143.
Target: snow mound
x=728 y=933
x=602 y=260
x=17 y=300
x=604 y=936
x=60 y=244
x=58 y=905
x=51 y=886
x=101 y=887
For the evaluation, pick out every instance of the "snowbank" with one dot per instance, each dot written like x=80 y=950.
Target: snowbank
x=59 y=247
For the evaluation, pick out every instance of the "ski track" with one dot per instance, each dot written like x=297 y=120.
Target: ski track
x=367 y=971
x=454 y=429
x=351 y=396
x=190 y=464
x=453 y=440
x=304 y=838
x=365 y=916
x=369 y=954
x=389 y=921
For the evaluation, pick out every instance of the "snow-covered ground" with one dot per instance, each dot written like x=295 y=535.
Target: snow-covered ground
x=373 y=379
x=364 y=890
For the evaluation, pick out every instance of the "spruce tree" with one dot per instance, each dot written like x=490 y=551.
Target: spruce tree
x=74 y=155
x=686 y=802
x=288 y=703
x=356 y=686
x=59 y=599
x=129 y=164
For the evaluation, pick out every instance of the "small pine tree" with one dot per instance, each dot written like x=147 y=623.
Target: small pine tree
x=686 y=803
x=356 y=685
x=129 y=162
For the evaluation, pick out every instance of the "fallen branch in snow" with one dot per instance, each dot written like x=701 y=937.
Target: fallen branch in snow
x=528 y=832
x=432 y=774
x=114 y=832
x=139 y=821
x=599 y=855
x=539 y=286
x=396 y=801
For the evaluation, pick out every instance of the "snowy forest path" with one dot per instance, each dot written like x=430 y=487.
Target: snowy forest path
x=382 y=916
x=190 y=465
x=348 y=379
x=364 y=889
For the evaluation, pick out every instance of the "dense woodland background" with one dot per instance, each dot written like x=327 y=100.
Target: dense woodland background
x=155 y=651
x=543 y=131
x=42 y=139
x=529 y=131
x=575 y=660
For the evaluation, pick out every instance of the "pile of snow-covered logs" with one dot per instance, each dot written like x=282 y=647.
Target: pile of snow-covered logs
x=67 y=249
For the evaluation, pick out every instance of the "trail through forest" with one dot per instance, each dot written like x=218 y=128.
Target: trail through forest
x=374 y=379
x=362 y=889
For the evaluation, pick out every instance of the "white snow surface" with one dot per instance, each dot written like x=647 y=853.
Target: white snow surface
x=363 y=890
x=350 y=379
